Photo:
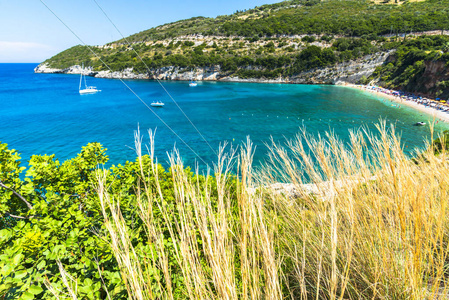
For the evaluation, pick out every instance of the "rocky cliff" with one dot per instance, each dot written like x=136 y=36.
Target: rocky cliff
x=350 y=71
x=434 y=80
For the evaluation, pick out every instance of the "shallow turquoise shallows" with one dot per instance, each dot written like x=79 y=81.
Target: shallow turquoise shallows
x=44 y=114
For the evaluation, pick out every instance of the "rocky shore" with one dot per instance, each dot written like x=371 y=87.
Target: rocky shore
x=323 y=190
x=351 y=72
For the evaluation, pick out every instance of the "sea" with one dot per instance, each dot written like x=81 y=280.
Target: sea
x=45 y=114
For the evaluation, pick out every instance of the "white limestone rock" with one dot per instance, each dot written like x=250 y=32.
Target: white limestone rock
x=43 y=68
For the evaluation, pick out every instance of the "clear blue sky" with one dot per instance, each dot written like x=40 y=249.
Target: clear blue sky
x=30 y=33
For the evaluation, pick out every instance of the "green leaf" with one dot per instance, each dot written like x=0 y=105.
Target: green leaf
x=41 y=265
x=17 y=258
x=8 y=280
x=5 y=234
x=88 y=282
x=20 y=274
x=27 y=296
x=6 y=269
x=35 y=289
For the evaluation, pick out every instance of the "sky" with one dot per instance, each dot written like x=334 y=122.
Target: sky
x=30 y=33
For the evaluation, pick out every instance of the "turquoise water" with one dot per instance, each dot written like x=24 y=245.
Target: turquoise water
x=44 y=114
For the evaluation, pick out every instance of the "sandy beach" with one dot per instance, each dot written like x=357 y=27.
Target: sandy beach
x=433 y=113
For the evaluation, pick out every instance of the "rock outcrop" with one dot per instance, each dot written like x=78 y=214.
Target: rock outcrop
x=176 y=73
x=76 y=69
x=351 y=72
x=125 y=74
x=435 y=77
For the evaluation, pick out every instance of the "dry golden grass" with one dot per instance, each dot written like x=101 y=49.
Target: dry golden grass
x=377 y=229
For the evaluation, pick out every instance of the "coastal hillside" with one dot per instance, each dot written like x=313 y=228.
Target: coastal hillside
x=420 y=66
x=291 y=41
x=235 y=191
x=298 y=17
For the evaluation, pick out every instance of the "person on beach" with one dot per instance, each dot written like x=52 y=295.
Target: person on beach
x=426 y=103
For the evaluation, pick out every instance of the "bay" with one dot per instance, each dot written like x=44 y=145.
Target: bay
x=44 y=114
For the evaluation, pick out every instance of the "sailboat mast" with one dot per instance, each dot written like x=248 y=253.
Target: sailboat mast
x=81 y=78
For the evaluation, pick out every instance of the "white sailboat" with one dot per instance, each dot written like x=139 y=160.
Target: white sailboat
x=87 y=89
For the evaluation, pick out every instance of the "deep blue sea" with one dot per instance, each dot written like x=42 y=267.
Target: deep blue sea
x=44 y=114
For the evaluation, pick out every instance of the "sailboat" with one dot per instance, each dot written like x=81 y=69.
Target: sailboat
x=87 y=89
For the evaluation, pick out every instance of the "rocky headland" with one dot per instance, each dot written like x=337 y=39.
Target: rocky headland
x=349 y=71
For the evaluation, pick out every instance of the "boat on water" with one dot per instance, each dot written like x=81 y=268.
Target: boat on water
x=419 y=124
x=87 y=89
x=157 y=104
x=193 y=83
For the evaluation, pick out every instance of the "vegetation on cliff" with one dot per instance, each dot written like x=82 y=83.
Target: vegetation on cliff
x=268 y=58
x=419 y=65
x=288 y=38
x=163 y=45
x=298 y=17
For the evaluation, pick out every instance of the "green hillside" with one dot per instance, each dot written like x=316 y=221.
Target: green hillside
x=419 y=66
x=271 y=57
x=270 y=41
x=348 y=17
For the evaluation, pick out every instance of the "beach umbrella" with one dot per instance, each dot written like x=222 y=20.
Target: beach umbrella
x=443 y=101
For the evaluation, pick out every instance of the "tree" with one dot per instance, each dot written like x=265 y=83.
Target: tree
x=445 y=47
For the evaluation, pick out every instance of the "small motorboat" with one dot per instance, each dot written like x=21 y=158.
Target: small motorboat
x=157 y=104
x=419 y=124
x=193 y=83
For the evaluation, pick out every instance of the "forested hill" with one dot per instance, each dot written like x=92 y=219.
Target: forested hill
x=299 y=41
x=296 y=17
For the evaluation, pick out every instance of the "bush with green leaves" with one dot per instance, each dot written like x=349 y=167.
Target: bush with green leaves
x=52 y=214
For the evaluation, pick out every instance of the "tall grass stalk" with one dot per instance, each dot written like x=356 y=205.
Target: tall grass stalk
x=377 y=226
x=364 y=222
x=219 y=253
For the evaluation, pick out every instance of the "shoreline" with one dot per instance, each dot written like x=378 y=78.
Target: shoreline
x=435 y=114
